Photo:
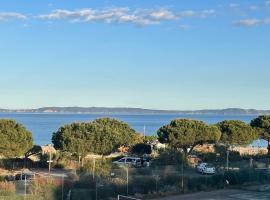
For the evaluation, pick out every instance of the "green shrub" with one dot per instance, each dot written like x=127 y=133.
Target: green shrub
x=168 y=156
x=2 y=178
x=247 y=176
x=102 y=167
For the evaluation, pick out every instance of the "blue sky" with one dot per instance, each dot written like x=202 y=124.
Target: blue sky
x=164 y=54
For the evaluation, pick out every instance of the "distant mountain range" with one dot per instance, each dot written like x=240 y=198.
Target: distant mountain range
x=105 y=110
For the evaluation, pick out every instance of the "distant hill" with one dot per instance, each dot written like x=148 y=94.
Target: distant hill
x=105 y=110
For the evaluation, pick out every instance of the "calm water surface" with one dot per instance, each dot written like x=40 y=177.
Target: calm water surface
x=43 y=125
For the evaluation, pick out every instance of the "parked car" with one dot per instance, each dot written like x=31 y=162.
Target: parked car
x=23 y=176
x=129 y=161
x=206 y=168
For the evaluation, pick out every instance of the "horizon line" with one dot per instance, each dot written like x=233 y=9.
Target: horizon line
x=127 y=107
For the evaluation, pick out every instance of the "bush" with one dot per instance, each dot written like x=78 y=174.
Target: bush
x=168 y=156
x=209 y=157
x=7 y=188
x=143 y=186
x=247 y=176
x=102 y=167
x=47 y=188
x=2 y=178
x=141 y=148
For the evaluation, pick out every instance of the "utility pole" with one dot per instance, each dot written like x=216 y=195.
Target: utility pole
x=96 y=190
x=182 y=174
x=63 y=182
x=127 y=180
x=227 y=163
x=94 y=168
x=50 y=161
x=25 y=192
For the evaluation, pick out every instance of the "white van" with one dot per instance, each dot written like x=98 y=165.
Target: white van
x=206 y=168
x=129 y=161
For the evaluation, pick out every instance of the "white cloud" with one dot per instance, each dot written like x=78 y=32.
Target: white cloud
x=253 y=7
x=200 y=13
x=187 y=13
x=123 y=15
x=162 y=14
x=206 y=13
x=248 y=22
x=252 y=22
x=234 y=5
x=185 y=27
x=267 y=2
x=267 y=21
x=6 y=16
x=112 y=15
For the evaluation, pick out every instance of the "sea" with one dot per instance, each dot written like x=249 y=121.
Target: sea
x=43 y=125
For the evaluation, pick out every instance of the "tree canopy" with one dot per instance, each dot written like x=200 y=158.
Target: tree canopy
x=262 y=125
x=235 y=132
x=101 y=136
x=16 y=140
x=186 y=134
x=141 y=148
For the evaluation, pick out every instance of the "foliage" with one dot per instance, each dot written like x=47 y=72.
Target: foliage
x=101 y=167
x=150 y=138
x=221 y=157
x=15 y=139
x=247 y=176
x=7 y=188
x=186 y=134
x=262 y=125
x=48 y=188
x=141 y=149
x=168 y=156
x=235 y=132
x=101 y=136
x=204 y=183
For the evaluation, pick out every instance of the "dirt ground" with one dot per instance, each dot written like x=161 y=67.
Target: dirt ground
x=228 y=194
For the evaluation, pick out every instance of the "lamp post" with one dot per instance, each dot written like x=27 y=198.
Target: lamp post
x=182 y=173
x=49 y=162
x=127 y=179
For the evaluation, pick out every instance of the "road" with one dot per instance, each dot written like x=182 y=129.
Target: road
x=228 y=194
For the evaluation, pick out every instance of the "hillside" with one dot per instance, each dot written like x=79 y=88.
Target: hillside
x=108 y=110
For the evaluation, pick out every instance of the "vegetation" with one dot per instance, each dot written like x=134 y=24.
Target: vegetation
x=262 y=124
x=48 y=188
x=185 y=134
x=101 y=136
x=150 y=138
x=98 y=167
x=235 y=132
x=15 y=139
x=141 y=149
x=7 y=188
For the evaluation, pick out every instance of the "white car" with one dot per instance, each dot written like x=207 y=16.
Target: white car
x=129 y=161
x=206 y=168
